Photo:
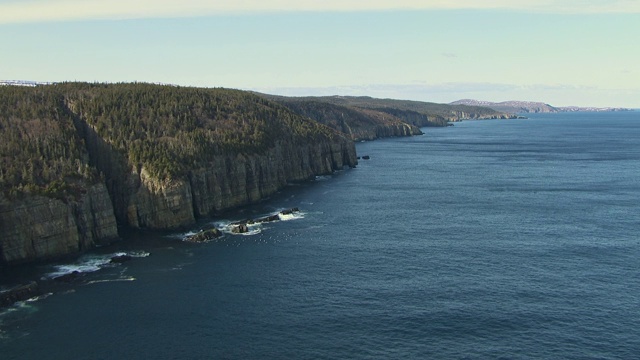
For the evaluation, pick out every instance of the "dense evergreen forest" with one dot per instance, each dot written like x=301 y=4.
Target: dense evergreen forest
x=166 y=129
x=417 y=113
x=40 y=150
x=169 y=130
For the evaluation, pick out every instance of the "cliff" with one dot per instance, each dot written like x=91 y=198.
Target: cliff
x=227 y=182
x=80 y=159
x=357 y=123
x=42 y=228
x=515 y=107
x=382 y=116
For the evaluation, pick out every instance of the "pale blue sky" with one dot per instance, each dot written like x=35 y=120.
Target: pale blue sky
x=578 y=53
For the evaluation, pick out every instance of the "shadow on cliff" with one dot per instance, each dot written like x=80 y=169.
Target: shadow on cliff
x=111 y=163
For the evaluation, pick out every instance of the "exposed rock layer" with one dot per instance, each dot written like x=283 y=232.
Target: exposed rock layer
x=40 y=228
x=36 y=227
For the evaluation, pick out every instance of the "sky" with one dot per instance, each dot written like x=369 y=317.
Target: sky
x=562 y=52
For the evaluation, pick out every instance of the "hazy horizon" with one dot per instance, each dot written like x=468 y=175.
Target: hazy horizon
x=578 y=53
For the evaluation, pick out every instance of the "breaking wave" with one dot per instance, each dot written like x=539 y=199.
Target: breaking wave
x=90 y=263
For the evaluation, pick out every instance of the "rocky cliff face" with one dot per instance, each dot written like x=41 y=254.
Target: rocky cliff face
x=357 y=123
x=40 y=228
x=154 y=158
x=463 y=115
x=229 y=181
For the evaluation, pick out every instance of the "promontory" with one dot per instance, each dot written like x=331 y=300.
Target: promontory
x=79 y=161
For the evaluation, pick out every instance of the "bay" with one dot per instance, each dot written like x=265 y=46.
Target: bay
x=488 y=239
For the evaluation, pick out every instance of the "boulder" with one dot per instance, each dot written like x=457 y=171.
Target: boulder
x=18 y=293
x=240 y=229
x=205 y=235
x=289 y=211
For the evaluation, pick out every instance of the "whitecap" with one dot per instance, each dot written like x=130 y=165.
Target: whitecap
x=181 y=236
x=39 y=297
x=130 y=278
x=138 y=254
x=91 y=263
x=85 y=264
x=293 y=216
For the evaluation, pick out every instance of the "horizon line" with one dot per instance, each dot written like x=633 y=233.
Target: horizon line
x=77 y=10
x=31 y=83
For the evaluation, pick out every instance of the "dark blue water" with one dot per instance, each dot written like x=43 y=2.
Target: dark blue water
x=489 y=239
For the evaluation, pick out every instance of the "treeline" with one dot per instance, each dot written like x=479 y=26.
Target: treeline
x=417 y=113
x=40 y=150
x=166 y=129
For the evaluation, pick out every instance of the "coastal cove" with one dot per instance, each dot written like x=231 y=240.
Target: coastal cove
x=500 y=238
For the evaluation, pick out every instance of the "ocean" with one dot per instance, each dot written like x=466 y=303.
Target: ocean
x=497 y=239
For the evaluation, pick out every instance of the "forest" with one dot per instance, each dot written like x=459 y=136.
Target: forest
x=170 y=130
x=166 y=129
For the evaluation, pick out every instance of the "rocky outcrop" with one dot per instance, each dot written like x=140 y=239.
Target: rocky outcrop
x=204 y=236
x=19 y=293
x=40 y=228
x=240 y=229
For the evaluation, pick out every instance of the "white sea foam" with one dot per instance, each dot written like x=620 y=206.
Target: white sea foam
x=129 y=278
x=83 y=265
x=182 y=236
x=91 y=263
x=138 y=254
x=39 y=297
x=293 y=216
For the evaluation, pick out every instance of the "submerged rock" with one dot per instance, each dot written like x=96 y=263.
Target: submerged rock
x=119 y=259
x=269 y=218
x=18 y=293
x=70 y=277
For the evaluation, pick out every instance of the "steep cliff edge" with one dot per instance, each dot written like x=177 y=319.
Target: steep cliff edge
x=52 y=202
x=174 y=154
x=357 y=123
x=77 y=159
x=367 y=118
x=41 y=228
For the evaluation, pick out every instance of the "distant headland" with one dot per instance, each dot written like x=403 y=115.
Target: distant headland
x=517 y=107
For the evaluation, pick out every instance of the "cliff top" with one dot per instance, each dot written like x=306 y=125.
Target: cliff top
x=165 y=129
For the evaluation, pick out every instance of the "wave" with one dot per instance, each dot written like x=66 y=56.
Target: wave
x=129 y=278
x=39 y=297
x=293 y=216
x=228 y=226
x=90 y=263
x=182 y=236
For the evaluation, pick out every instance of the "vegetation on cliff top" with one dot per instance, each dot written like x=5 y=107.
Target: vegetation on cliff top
x=418 y=113
x=169 y=130
x=40 y=150
x=165 y=129
x=358 y=123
